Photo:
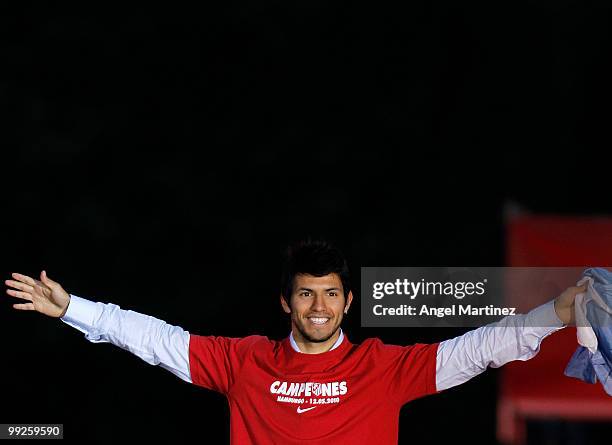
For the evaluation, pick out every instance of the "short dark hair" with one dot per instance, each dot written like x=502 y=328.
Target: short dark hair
x=313 y=257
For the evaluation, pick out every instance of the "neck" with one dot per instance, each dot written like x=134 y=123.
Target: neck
x=309 y=347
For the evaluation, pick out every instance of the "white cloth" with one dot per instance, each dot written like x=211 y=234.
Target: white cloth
x=515 y=337
x=151 y=339
x=156 y=342
x=584 y=331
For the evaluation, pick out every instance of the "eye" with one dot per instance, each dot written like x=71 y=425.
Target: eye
x=305 y=294
x=333 y=294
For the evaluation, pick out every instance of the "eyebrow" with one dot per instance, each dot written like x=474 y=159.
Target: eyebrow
x=326 y=290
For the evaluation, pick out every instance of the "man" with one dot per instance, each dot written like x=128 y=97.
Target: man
x=314 y=386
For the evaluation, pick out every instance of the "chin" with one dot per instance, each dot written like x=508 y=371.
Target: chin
x=318 y=337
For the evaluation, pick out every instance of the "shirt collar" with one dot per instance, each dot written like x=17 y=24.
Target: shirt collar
x=295 y=346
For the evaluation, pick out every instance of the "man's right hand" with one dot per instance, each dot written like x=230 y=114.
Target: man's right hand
x=44 y=296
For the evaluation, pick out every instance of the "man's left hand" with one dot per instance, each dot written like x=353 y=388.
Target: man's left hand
x=564 y=303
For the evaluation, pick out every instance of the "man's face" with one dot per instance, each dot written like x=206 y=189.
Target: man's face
x=317 y=306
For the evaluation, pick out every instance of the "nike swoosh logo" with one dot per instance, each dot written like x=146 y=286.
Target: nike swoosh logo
x=300 y=410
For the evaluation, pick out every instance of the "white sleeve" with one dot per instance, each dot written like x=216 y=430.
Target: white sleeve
x=153 y=340
x=516 y=337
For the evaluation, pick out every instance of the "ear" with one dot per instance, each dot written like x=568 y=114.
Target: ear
x=349 y=300
x=284 y=304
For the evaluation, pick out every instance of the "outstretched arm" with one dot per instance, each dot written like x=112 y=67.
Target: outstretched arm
x=154 y=341
x=515 y=337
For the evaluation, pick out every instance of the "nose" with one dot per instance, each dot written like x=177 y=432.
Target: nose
x=318 y=304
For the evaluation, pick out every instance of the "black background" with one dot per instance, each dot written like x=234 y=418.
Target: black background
x=161 y=159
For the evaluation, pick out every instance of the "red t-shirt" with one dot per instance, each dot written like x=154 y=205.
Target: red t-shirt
x=350 y=395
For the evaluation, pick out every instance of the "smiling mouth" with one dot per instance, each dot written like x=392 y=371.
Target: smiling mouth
x=319 y=321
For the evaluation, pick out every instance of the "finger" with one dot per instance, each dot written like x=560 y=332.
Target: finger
x=18 y=294
x=24 y=279
x=20 y=286
x=24 y=307
x=46 y=280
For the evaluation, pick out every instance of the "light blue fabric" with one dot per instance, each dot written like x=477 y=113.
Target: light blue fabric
x=585 y=365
